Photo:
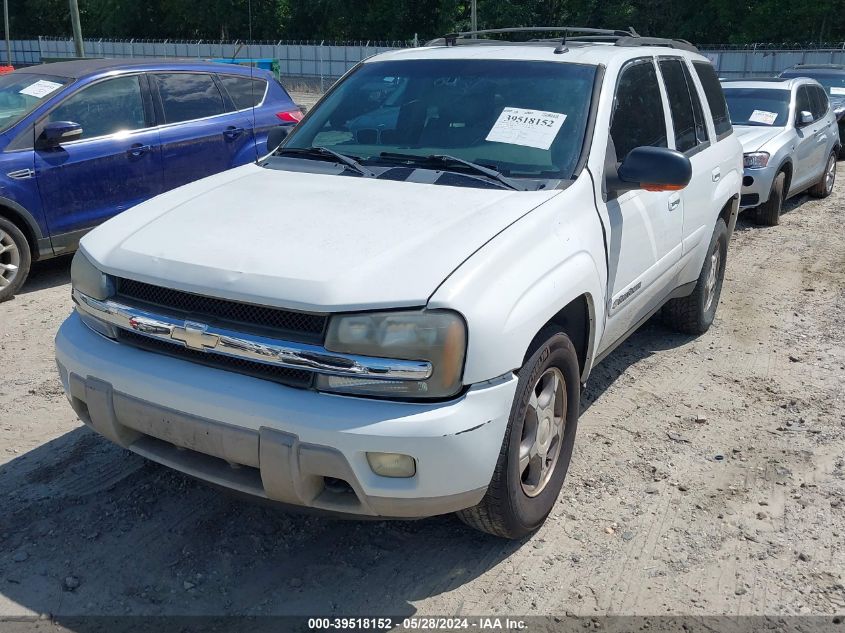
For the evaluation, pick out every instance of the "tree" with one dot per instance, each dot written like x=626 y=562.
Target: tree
x=701 y=21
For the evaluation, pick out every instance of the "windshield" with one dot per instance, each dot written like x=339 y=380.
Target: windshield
x=758 y=106
x=20 y=93
x=834 y=85
x=523 y=119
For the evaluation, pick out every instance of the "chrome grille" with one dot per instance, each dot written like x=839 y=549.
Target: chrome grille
x=283 y=375
x=288 y=324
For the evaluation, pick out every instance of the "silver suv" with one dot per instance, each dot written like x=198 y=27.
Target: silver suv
x=790 y=141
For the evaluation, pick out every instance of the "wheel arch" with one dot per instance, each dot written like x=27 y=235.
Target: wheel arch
x=21 y=218
x=729 y=213
x=787 y=169
x=577 y=320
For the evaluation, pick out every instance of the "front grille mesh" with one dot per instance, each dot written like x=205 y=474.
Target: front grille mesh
x=283 y=375
x=242 y=317
x=296 y=326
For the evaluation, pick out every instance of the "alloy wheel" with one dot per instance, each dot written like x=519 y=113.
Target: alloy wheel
x=10 y=259
x=712 y=278
x=830 y=174
x=542 y=432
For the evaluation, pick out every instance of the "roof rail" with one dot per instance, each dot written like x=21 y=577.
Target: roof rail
x=579 y=34
x=818 y=66
x=549 y=29
x=656 y=41
x=450 y=39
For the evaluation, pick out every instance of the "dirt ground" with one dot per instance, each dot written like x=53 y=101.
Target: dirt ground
x=708 y=478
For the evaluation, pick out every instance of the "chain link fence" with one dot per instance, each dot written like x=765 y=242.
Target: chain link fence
x=308 y=59
x=329 y=60
x=766 y=60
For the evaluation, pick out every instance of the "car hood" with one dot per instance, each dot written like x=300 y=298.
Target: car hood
x=305 y=241
x=753 y=137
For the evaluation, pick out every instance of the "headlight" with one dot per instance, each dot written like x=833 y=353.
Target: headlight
x=436 y=336
x=85 y=277
x=755 y=160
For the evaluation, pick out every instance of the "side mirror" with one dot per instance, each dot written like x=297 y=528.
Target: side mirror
x=57 y=132
x=805 y=118
x=276 y=136
x=653 y=169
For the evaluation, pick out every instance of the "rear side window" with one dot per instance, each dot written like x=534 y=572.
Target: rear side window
x=803 y=102
x=715 y=98
x=638 y=116
x=245 y=92
x=684 y=105
x=188 y=96
x=697 y=111
x=819 y=102
x=106 y=107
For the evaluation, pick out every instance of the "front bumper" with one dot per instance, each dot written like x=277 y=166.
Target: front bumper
x=290 y=445
x=756 y=186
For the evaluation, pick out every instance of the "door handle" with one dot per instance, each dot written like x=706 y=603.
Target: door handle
x=674 y=202
x=138 y=150
x=716 y=174
x=232 y=132
x=21 y=174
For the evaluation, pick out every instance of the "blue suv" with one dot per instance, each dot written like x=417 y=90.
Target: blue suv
x=81 y=141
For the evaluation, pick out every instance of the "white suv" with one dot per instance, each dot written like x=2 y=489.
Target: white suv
x=393 y=315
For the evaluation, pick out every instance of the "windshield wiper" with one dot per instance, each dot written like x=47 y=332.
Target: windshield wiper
x=326 y=153
x=444 y=160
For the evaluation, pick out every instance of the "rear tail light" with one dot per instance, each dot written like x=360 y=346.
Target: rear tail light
x=290 y=116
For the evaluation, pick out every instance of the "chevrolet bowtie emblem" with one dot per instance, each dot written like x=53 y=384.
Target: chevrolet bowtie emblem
x=195 y=336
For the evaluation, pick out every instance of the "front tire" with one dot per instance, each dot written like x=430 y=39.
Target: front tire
x=15 y=259
x=768 y=213
x=694 y=314
x=824 y=187
x=537 y=447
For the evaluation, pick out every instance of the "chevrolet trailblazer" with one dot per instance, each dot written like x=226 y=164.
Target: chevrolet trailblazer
x=393 y=314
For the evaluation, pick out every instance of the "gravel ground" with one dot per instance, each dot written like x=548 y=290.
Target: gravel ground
x=708 y=478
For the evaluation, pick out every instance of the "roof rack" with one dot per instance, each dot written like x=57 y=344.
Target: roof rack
x=580 y=34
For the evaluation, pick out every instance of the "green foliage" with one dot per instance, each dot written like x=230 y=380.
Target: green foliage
x=701 y=21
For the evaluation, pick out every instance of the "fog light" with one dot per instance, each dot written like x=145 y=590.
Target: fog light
x=392 y=464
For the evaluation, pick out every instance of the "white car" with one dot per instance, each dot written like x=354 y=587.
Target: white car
x=397 y=321
x=791 y=141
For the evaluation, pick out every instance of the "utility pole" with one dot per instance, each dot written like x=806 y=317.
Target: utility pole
x=6 y=26
x=77 y=28
x=474 y=15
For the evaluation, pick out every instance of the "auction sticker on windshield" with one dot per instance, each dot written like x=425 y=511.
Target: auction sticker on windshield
x=763 y=116
x=40 y=88
x=532 y=128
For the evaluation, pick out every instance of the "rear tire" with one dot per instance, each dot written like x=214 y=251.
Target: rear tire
x=694 y=314
x=15 y=259
x=525 y=484
x=768 y=213
x=824 y=187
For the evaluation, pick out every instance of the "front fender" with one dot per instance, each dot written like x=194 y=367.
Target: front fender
x=516 y=283
x=728 y=187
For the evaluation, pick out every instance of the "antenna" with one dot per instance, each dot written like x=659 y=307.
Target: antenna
x=252 y=83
